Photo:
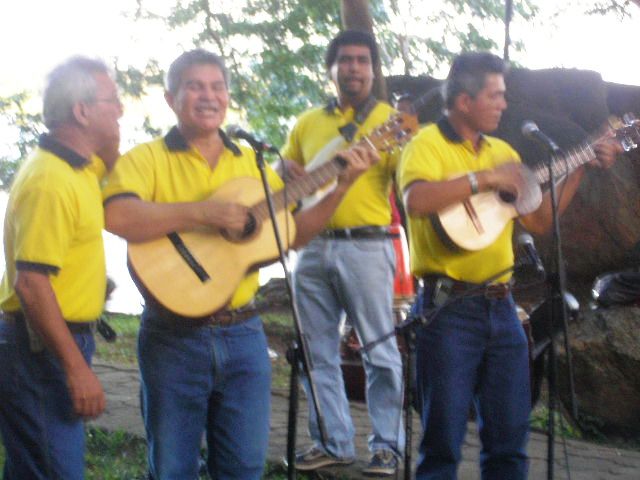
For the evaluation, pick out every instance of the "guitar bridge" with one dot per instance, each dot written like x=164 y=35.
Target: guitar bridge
x=473 y=216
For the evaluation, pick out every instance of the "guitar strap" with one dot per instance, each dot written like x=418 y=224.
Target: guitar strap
x=349 y=130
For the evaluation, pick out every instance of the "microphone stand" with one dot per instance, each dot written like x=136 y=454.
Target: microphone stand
x=298 y=354
x=556 y=285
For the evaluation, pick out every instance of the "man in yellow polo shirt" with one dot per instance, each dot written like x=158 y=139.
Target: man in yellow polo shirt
x=210 y=374
x=54 y=286
x=475 y=348
x=349 y=269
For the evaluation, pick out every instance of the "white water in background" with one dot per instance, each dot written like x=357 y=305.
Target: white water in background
x=125 y=298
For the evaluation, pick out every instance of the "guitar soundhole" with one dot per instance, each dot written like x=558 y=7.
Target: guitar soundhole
x=507 y=197
x=247 y=232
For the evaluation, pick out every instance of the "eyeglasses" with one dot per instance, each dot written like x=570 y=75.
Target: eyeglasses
x=113 y=101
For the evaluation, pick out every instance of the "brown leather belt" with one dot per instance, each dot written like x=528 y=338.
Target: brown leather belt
x=495 y=291
x=226 y=318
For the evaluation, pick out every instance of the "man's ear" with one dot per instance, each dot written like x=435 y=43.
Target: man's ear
x=81 y=113
x=169 y=98
x=463 y=102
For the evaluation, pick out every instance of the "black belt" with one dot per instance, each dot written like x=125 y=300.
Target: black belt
x=74 y=327
x=457 y=287
x=371 y=232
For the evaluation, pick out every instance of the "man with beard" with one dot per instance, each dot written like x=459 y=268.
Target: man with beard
x=349 y=268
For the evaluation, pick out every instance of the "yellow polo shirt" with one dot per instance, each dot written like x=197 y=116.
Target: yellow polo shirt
x=169 y=170
x=367 y=201
x=53 y=224
x=437 y=153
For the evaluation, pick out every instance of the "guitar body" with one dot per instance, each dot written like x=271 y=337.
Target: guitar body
x=175 y=285
x=475 y=223
x=195 y=273
x=478 y=221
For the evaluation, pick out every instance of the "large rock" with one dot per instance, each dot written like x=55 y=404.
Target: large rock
x=605 y=347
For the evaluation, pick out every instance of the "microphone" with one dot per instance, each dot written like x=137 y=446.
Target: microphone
x=530 y=130
x=525 y=242
x=235 y=131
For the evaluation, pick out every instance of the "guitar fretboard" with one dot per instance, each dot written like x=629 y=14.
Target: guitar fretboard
x=564 y=164
x=301 y=188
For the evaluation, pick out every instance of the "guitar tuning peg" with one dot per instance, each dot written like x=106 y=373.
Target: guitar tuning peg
x=629 y=118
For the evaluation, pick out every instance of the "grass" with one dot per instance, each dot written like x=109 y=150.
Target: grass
x=123 y=350
x=121 y=456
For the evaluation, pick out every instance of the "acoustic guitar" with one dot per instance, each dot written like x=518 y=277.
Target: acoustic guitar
x=195 y=273
x=477 y=222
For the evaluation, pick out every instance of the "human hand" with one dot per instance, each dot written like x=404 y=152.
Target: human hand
x=86 y=392
x=606 y=149
x=359 y=158
x=508 y=177
x=228 y=216
x=290 y=170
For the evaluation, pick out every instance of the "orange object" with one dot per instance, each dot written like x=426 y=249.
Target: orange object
x=403 y=287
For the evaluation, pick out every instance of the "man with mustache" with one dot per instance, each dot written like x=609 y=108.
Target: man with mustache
x=475 y=348
x=349 y=268
x=209 y=375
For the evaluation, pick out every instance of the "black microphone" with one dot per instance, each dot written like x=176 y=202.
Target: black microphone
x=235 y=131
x=530 y=130
x=525 y=242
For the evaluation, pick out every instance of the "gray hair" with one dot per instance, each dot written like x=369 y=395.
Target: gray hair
x=70 y=82
x=188 y=59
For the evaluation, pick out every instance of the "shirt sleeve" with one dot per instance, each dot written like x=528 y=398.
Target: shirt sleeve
x=420 y=161
x=133 y=174
x=44 y=226
x=292 y=149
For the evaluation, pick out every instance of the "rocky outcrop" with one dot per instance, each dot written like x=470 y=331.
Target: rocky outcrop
x=605 y=345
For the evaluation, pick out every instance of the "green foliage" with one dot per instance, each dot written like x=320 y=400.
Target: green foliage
x=114 y=455
x=619 y=8
x=540 y=420
x=274 y=49
x=27 y=127
x=123 y=350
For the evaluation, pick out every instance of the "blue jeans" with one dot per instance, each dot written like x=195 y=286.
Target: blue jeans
x=197 y=380
x=43 y=438
x=474 y=350
x=333 y=277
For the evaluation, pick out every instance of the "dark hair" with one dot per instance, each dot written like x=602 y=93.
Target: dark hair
x=351 y=37
x=468 y=74
x=198 y=56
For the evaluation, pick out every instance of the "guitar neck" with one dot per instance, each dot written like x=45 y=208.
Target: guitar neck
x=301 y=188
x=564 y=164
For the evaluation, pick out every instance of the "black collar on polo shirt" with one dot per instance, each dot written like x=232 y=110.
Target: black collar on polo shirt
x=450 y=133
x=175 y=141
x=50 y=144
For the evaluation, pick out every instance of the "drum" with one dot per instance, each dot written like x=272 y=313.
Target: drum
x=403 y=296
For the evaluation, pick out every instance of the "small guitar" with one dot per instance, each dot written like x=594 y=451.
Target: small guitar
x=478 y=221
x=195 y=273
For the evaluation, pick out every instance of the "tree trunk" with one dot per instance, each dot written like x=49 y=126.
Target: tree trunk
x=356 y=16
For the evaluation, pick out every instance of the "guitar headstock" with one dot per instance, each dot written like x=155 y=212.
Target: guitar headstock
x=395 y=132
x=626 y=130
